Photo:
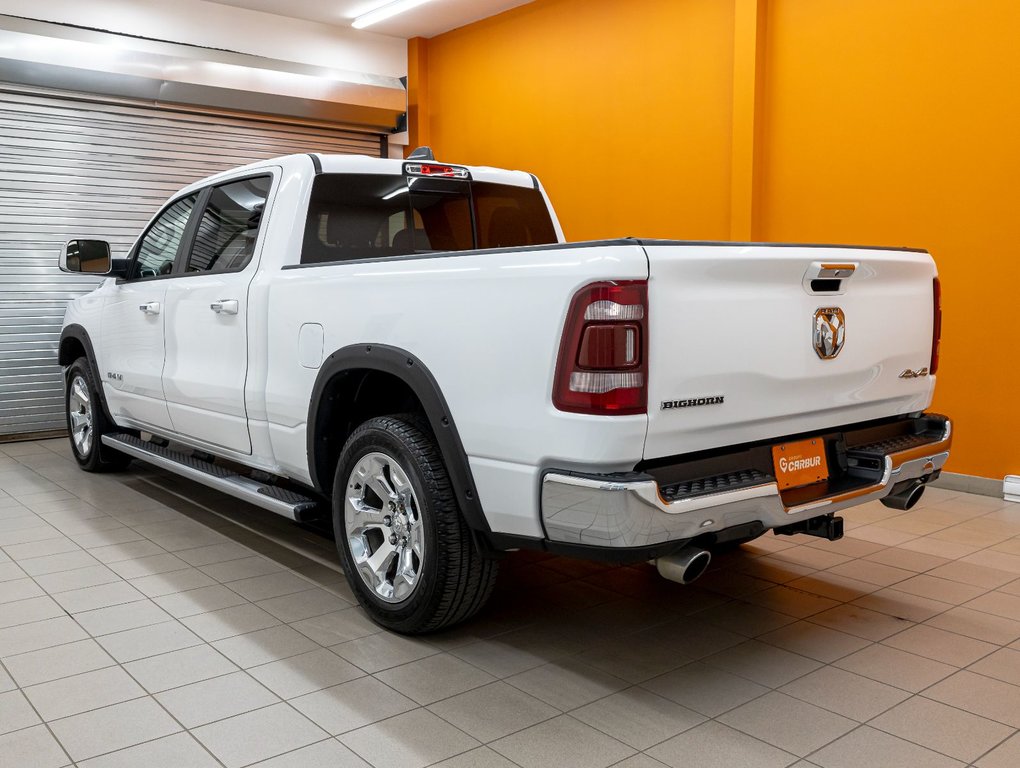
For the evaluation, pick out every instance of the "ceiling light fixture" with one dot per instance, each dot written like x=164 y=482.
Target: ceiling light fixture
x=386 y=11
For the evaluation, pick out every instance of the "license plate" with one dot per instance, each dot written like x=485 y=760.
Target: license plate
x=800 y=463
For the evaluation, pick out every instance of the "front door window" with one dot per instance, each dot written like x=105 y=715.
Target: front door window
x=160 y=243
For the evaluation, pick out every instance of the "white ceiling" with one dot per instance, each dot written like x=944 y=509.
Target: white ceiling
x=432 y=18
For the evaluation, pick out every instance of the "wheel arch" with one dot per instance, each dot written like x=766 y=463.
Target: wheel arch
x=403 y=376
x=75 y=343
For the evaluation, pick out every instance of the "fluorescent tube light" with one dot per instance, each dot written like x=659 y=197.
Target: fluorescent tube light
x=385 y=12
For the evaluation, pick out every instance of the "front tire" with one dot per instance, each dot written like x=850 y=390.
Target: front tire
x=407 y=553
x=87 y=423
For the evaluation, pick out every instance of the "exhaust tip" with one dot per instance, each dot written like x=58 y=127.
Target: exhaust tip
x=697 y=566
x=685 y=566
x=915 y=495
x=906 y=498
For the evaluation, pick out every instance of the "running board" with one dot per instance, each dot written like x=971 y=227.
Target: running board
x=279 y=500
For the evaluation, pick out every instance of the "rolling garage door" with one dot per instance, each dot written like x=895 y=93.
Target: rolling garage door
x=71 y=166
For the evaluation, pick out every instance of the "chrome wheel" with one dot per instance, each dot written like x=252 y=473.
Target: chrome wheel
x=383 y=526
x=79 y=409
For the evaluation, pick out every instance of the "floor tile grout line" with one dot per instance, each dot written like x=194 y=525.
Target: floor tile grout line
x=924 y=691
x=985 y=754
x=483 y=746
x=912 y=694
x=985 y=674
x=126 y=671
x=429 y=706
x=424 y=706
x=859 y=727
x=306 y=746
x=65 y=570
x=42 y=720
x=906 y=629
x=479 y=742
x=929 y=747
x=893 y=685
x=925 y=623
x=272 y=597
x=581 y=722
x=303 y=618
x=960 y=709
x=706 y=718
x=253 y=553
x=715 y=719
x=167 y=712
x=115 y=662
x=143 y=695
x=151 y=741
x=848 y=717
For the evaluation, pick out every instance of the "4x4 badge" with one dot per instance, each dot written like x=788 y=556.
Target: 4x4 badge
x=829 y=331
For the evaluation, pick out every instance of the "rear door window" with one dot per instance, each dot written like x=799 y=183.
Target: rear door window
x=226 y=234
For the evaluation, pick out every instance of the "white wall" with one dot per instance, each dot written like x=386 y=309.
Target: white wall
x=197 y=22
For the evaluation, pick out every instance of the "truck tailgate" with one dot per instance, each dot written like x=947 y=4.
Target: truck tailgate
x=732 y=352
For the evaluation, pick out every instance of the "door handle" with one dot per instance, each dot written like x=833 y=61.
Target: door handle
x=224 y=307
x=150 y=308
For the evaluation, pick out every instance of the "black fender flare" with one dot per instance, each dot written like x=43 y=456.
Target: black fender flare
x=78 y=333
x=409 y=369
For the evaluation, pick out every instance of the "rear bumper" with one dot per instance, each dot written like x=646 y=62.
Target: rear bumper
x=631 y=511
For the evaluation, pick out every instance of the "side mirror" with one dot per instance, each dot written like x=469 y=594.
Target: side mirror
x=86 y=256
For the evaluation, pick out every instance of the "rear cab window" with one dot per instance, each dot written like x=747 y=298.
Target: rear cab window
x=366 y=216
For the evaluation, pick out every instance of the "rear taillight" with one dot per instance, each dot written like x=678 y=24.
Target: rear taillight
x=936 y=328
x=603 y=363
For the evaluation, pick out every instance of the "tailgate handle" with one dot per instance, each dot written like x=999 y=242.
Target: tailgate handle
x=835 y=271
x=828 y=276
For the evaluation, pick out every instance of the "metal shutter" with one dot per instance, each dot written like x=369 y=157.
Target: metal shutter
x=72 y=166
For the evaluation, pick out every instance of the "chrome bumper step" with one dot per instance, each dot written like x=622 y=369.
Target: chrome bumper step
x=728 y=481
x=282 y=501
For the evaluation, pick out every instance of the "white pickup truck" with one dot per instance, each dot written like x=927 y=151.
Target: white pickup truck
x=411 y=347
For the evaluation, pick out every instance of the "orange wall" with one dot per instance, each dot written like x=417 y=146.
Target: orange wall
x=874 y=121
x=592 y=96
x=899 y=123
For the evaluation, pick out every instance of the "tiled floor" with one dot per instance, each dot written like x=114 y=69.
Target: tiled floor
x=146 y=621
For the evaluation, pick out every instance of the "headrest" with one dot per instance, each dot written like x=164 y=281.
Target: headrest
x=404 y=241
x=352 y=227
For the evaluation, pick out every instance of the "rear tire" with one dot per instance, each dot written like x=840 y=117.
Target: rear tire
x=87 y=422
x=407 y=553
